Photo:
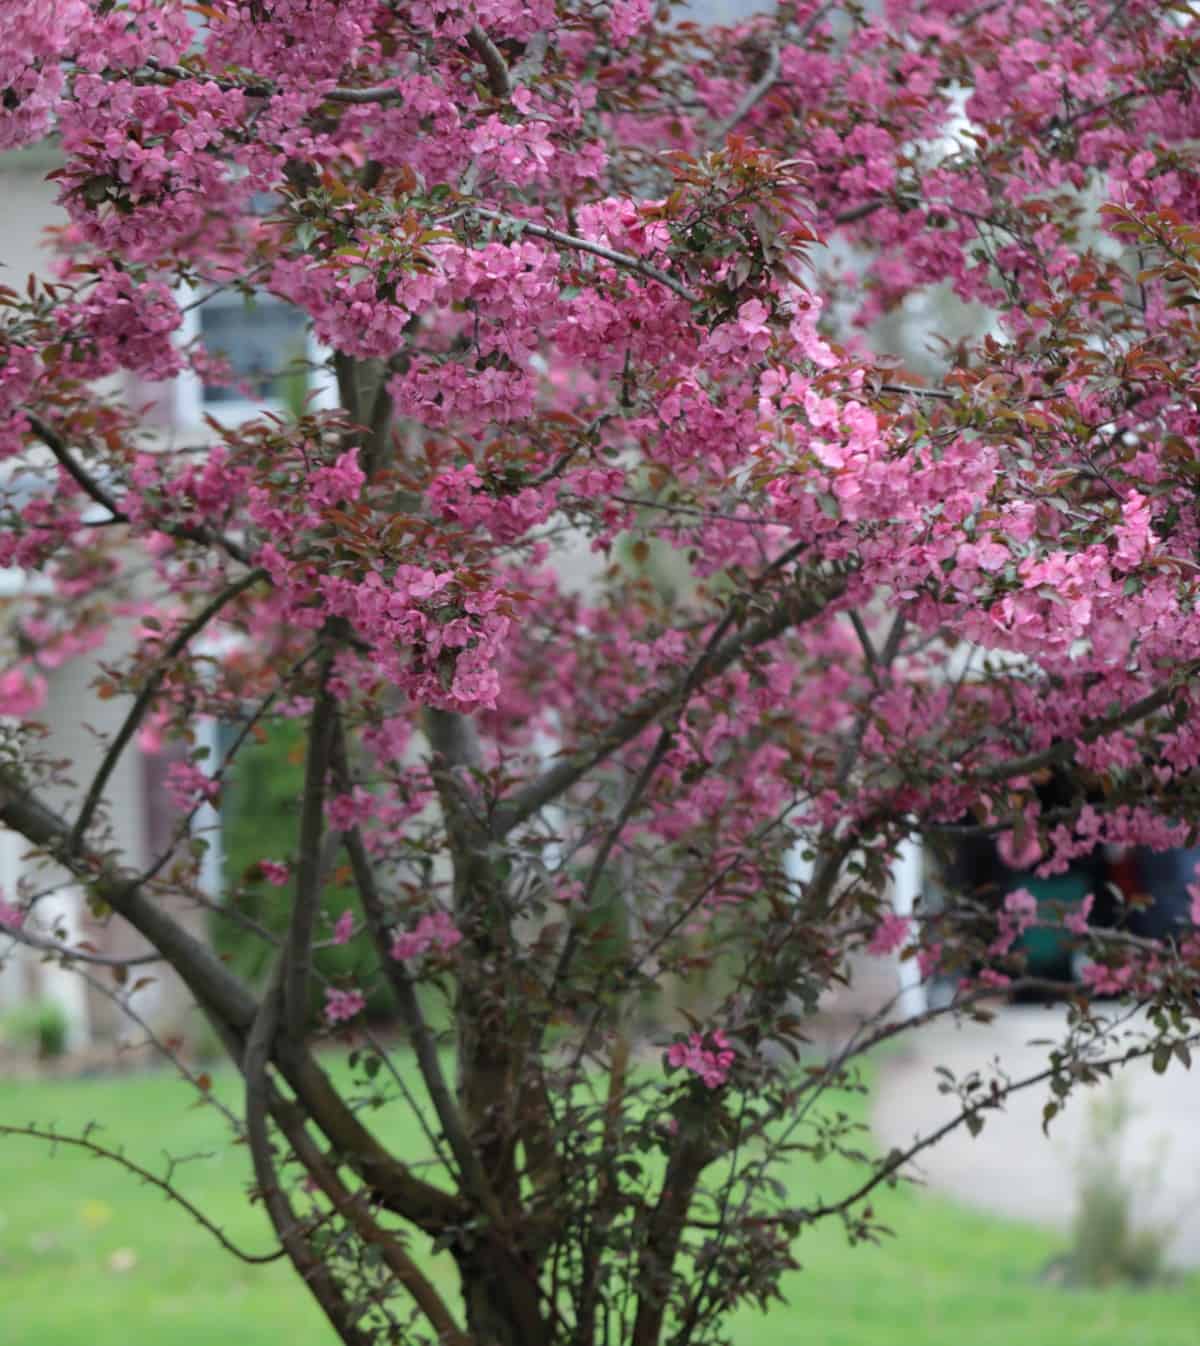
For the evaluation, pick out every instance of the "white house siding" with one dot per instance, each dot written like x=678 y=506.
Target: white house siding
x=78 y=720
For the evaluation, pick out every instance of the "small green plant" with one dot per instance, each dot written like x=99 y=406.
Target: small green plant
x=39 y=1028
x=1108 y=1246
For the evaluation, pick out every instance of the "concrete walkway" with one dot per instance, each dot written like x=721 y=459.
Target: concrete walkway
x=1011 y=1168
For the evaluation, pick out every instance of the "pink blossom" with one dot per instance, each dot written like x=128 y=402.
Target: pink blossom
x=433 y=930
x=189 y=786
x=343 y=481
x=343 y=1005
x=1193 y=890
x=1025 y=857
x=150 y=738
x=629 y=17
x=11 y=918
x=343 y=927
x=22 y=692
x=1022 y=906
x=890 y=934
x=1104 y=980
x=276 y=872
x=711 y=1064
x=1077 y=921
x=350 y=810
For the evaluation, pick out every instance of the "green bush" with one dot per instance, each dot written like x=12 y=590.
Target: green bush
x=39 y=1029
x=259 y=812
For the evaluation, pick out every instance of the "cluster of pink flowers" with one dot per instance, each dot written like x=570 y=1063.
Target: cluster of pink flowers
x=189 y=785
x=142 y=176
x=429 y=615
x=37 y=34
x=459 y=494
x=11 y=917
x=434 y=930
x=890 y=935
x=1193 y=890
x=1077 y=921
x=23 y=692
x=1020 y=912
x=341 y=1006
x=711 y=1063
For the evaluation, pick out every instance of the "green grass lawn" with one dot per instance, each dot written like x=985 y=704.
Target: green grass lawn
x=90 y=1256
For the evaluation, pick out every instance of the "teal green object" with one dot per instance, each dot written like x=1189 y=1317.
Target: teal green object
x=1047 y=948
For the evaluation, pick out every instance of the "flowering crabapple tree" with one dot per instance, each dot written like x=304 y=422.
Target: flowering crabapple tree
x=594 y=281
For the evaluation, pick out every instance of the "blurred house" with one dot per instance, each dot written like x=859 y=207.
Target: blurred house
x=256 y=341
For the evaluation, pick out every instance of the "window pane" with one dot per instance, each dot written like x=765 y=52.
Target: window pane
x=259 y=343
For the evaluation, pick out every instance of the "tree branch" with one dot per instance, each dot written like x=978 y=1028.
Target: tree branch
x=620 y=259
x=424 y=1047
x=352 y=1207
x=93 y=489
x=993 y=1102
x=788 y=612
x=208 y=978
x=750 y=100
x=493 y=61
x=147 y=694
x=633 y=800
x=87 y=483
x=1065 y=748
x=172 y=1193
x=309 y=1264
x=53 y=947
x=260 y=88
x=664 y=1231
x=233 y=1009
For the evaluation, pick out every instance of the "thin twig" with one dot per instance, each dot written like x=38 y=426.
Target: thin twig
x=908 y=390
x=300 y=1251
x=423 y=1045
x=620 y=259
x=993 y=1102
x=145 y=697
x=264 y=88
x=752 y=97
x=122 y=1002
x=84 y=1142
x=84 y=480
x=247 y=728
x=95 y=491
x=791 y=610
x=50 y=946
x=1067 y=748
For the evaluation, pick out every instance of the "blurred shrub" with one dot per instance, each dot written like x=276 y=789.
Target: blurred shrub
x=39 y=1029
x=259 y=812
x=1108 y=1246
